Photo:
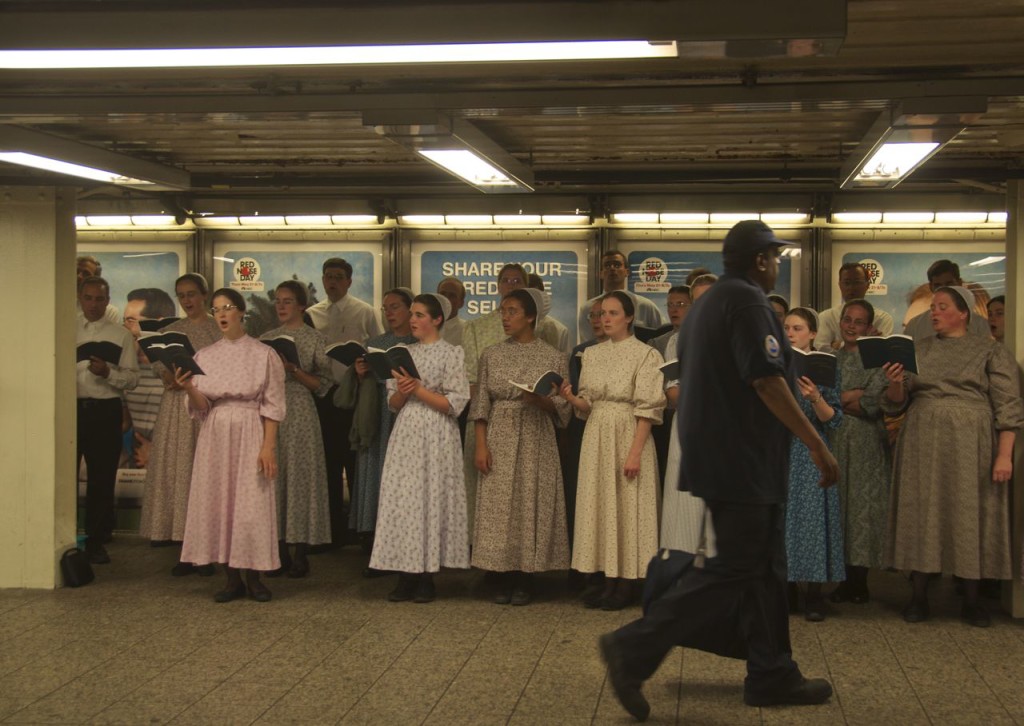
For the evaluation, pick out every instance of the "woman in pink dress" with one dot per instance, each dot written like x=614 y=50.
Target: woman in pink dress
x=232 y=515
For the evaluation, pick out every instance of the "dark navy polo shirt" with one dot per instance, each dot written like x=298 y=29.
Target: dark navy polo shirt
x=733 y=447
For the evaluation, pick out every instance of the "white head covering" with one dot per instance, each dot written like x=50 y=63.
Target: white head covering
x=814 y=314
x=966 y=295
x=541 y=301
x=405 y=290
x=446 y=307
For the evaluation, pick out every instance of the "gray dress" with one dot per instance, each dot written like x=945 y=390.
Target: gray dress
x=169 y=471
x=861 y=447
x=520 y=508
x=421 y=517
x=303 y=512
x=946 y=514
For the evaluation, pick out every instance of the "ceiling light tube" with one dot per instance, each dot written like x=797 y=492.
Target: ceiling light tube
x=856 y=217
x=635 y=218
x=468 y=220
x=908 y=217
x=997 y=217
x=307 y=220
x=732 y=217
x=153 y=220
x=420 y=220
x=360 y=220
x=565 y=220
x=961 y=217
x=35 y=161
x=262 y=221
x=469 y=167
x=785 y=218
x=517 y=220
x=683 y=217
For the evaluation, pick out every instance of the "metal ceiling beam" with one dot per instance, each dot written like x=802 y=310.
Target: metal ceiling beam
x=571 y=101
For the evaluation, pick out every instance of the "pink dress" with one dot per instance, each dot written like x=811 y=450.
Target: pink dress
x=231 y=508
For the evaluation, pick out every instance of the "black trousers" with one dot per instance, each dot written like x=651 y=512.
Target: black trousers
x=99 y=441
x=335 y=424
x=743 y=588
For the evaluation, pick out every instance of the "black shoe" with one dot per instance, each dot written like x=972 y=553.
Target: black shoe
x=162 y=543
x=618 y=600
x=991 y=589
x=843 y=593
x=975 y=615
x=860 y=596
x=206 y=570
x=182 y=569
x=371 y=573
x=259 y=592
x=230 y=593
x=504 y=596
x=808 y=692
x=521 y=597
x=425 y=590
x=916 y=612
x=593 y=596
x=97 y=554
x=626 y=690
x=814 y=610
x=299 y=568
x=405 y=589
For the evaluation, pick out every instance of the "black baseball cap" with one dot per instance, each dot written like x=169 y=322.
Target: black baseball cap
x=750 y=235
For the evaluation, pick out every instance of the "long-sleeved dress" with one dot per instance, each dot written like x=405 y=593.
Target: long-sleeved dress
x=173 y=447
x=616 y=527
x=861 y=447
x=303 y=511
x=945 y=512
x=681 y=512
x=421 y=517
x=814 y=525
x=363 y=509
x=232 y=516
x=520 y=508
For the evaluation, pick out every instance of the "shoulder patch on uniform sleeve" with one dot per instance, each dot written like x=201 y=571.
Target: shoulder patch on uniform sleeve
x=771 y=346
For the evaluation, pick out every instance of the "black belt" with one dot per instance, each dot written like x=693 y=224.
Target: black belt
x=97 y=402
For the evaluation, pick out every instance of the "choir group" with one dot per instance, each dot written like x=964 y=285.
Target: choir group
x=245 y=463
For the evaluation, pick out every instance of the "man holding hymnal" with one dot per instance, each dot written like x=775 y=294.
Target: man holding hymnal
x=107 y=367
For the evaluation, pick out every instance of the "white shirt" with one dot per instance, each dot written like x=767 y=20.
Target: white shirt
x=648 y=315
x=452 y=330
x=123 y=377
x=554 y=334
x=348 y=319
x=828 y=326
x=112 y=313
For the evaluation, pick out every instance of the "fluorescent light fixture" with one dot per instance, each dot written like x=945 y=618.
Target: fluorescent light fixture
x=684 y=217
x=360 y=220
x=997 y=217
x=908 y=217
x=565 y=220
x=904 y=136
x=307 y=220
x=340 y=55
x=856 y=217
x=153 y=220
x=216 y=221
x=635 y=218
x=417 y=220
x=64 y=167
x=109 y=220
x=732 y=217
x=466 y=165
x=961 y=217
x=469 y=220
x=517 y=220
x=986 y=261
x=262 y=221
x=785 y=218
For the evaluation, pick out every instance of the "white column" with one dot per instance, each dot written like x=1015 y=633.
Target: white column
x=37 y=384
x=1014 y=341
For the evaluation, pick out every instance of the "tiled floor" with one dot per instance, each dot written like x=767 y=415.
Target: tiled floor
x=140 y=647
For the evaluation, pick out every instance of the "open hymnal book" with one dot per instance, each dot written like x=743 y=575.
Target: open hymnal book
x=381 y=362
x=152 y=326
x=670 y=369
x=285 y=346
x=172 y=348
x=817 y=365
x=546 y=385
x=104 y=349
x=876 y=351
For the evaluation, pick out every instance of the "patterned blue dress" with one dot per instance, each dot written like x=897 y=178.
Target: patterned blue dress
x=814 y=532
x=362 y=515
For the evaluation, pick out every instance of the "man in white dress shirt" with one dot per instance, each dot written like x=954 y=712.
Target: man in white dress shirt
x=943 y=273
x=550 y=330
x=853 y=285
x=341 y=317
x=614 y=276
x=100 y=385
x=453 y=289
x=89 y=266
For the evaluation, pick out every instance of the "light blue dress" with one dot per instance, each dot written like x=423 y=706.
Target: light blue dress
x=814 y=531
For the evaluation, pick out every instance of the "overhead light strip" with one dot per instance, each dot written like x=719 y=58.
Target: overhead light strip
x=335 y=55
x=65 y=167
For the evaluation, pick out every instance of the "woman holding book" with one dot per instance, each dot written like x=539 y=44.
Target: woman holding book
x=303 y=511
x=861 y=447
x=241 y=401
x=397 y=312
x=814 y=533
x=949 y=509
x=520 y=524
x=421 y=517
x=172 y=449
x=621 y=395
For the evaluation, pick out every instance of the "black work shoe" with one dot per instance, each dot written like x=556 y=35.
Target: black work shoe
x=916 y=612
x=259 y=592
x=592 y=596
x=405 y=588
x=206 y=570
x=425 y=590
x=521 y=597
x=504 y=596
x=182 y=569
x=97 y=554
x=808 y=692
x=975 y=615
x=814 y=610
x=626 y=690
x=230 y=593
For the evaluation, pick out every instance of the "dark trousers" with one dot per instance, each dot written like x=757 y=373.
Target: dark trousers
x=742 y=589
x=99 y=441
x=662 y=435
x=335 y=424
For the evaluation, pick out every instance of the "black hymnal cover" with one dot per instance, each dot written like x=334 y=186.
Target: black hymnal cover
x=172 y=348
x=817 y=365
x=397 y=357
x=876 y=351
x=546 y=385
x=104 y=349
x=346 y=353
x=152 y=326
x=671 y=370
x=285 y=345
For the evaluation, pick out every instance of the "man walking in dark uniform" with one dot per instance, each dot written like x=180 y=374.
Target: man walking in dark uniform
x=736 y=412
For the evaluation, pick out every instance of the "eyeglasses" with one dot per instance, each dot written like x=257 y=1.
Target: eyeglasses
x=511 y=280
x=223 y=309
x=510 y=312
x=677 y=305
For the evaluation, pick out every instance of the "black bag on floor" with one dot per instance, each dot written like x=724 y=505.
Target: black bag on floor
x=75 y=567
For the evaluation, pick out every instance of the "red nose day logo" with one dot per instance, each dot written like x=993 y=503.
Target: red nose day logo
x=247 y=270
